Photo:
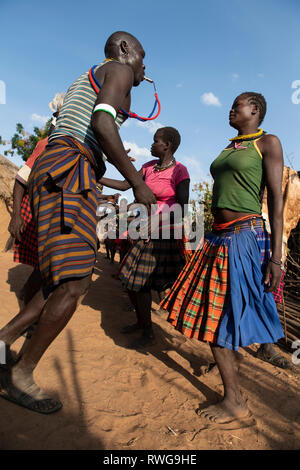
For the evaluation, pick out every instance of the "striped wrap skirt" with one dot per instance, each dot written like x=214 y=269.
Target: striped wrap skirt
x=152 y=265
x=62 y=187
x=220 y=295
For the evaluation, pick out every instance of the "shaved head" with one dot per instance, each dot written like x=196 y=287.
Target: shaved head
x=114 y=41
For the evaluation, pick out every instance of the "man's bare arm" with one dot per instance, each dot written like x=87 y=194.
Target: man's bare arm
x=117 y=83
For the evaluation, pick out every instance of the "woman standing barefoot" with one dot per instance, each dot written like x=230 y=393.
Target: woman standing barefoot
x=155 y=264
x=224 y=294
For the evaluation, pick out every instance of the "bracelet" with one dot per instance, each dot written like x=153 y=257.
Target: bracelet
x=275 y=262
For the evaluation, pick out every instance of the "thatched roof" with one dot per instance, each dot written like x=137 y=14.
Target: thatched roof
x=8 y=172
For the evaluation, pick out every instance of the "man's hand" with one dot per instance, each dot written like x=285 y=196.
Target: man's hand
x=273 y=275
x=16 y=226
x=144 y=195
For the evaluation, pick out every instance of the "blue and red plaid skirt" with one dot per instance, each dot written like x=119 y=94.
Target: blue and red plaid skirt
x=220 y=296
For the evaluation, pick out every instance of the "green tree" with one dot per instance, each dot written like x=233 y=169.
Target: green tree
x=23 y=143
x=203 y=192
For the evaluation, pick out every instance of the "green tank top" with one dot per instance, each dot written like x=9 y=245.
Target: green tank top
x=238 y=175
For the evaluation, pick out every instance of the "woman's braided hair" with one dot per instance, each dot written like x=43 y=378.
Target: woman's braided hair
x=258 y=100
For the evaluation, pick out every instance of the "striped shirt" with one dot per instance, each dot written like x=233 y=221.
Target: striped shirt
x=75 y=115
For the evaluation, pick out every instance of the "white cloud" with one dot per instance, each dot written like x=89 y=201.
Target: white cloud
x=194 y=168
x=235 y=76
x=209 y=99
x=136 y=151
x=152 y=126
x=40 y=119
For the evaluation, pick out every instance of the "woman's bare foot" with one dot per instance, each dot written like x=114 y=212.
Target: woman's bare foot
x=226 y=411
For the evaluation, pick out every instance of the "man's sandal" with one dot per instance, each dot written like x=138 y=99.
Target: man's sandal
x=11 y=393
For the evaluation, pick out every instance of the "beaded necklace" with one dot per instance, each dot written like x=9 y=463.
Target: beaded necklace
x=248 y=136
x=158 y=167
x=96 y=86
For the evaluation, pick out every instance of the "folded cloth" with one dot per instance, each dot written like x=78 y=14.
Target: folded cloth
x=63 y=194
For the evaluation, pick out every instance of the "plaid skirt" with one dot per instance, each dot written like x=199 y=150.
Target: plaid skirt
x=153 y=265
x=220 y=296
x=26 y=250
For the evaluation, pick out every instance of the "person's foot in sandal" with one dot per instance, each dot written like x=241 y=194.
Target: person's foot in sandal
x=19 y=387
x=267 y=353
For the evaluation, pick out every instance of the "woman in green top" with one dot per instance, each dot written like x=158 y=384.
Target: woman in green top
x=224 y=294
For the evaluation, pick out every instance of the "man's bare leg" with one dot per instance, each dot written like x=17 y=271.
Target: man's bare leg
x=233 y=405
x=31 y=287
x=27 y=315
x=56 y=313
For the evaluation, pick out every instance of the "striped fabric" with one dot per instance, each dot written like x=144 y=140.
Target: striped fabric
x=75 y=115
x=26 y=250
x=154 y=265
x=219 y=296
x=62 y=188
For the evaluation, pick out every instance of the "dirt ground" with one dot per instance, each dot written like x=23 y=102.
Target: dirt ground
x=115 y=398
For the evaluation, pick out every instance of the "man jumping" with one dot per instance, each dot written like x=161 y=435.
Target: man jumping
x=63 y=195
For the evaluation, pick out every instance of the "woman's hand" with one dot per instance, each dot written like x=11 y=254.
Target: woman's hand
x=130 y=158
x=272 y=276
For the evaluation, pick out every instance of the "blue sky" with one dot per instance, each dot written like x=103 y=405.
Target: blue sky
x=200 y=54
